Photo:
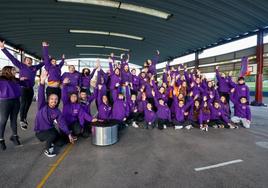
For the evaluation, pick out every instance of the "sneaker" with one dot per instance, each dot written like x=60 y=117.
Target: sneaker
x=178 y=127
x=165 y=127
x=215 y=126
x=206 y=129
x=135 y=125
x=3 y=145
x=15 y=140
x=23 y=125
x=221 y=126
x=50 y=154
x=188 y=127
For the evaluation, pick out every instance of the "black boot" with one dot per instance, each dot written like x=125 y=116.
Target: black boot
x=3 y=145
x=15 y=140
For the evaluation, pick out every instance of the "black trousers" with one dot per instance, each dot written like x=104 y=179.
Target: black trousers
x=195 y=123
x=218 y=122
x=181 y=123
x=9 y=108
x=54 y=90
x=50 y=136
x=133 y=116
x=162 y=122
x=25 y=102
x=75 y=128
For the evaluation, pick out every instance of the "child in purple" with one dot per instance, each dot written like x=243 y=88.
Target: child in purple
x=86 y=77
x=47 y=115
x=133 y=109
x=181 y=110
x=120 y=110
x=218 y=119
x=149 y=115
x=27 y=75
x=242 y=113
x=204 y=115
x=163 y=113
x=194 y=114
x=241 y=89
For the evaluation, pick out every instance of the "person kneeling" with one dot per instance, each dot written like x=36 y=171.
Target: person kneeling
x=48 y=113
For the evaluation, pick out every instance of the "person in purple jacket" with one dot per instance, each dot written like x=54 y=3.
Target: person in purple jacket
x=152 y=64
x=224 y=84
x=241 y=89
x=180 y=112
x=86 y=100
x=132 y=103
x=135 y=82
x=194 y=113
x=242 y=113
x=9 y=104
x=104 y=108
x=54 y=72
x=74 y=79
x=27 y=74
x=86 y=77
x=115 y=80
x=163 y=113
x=204 y=115
x=47 y=116
x=120 y=111
x=218 y=119
x=149 y=116
x=225 y=106
x=73 y=112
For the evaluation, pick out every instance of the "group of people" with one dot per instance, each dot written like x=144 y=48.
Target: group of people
x=183 y=99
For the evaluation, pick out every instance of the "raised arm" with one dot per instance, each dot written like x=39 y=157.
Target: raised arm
x=15 y=62
x=62 y=61
x=64 y=92
x=45 y=55
x=41 y=90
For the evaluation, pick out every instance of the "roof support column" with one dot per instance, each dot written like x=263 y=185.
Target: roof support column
x=196 y=59
x=259 y=58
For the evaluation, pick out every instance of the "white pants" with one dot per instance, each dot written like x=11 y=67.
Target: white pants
x=245 y=122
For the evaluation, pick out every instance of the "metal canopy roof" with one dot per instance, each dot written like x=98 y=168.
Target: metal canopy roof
x=194 y=24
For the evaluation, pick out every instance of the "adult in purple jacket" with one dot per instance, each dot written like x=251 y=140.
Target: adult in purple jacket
x=47 y=116
x=9 y=104
x=54 y=73
x=27 y=74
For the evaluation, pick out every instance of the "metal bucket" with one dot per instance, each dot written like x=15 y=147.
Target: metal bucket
x=104 y=135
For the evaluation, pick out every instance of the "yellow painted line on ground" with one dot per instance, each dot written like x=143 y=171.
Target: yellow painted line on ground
x=54 y=166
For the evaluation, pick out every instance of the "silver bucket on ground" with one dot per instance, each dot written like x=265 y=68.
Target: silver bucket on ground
x=104 y=135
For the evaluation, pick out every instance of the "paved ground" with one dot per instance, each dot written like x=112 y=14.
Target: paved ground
x=146 y=158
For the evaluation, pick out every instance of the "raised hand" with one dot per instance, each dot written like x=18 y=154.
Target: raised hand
x=157 y=51
x=43 y=77
x=2 y=45
x=45 y=44
x=66 y=81
x=63 y=56
x=217 y=67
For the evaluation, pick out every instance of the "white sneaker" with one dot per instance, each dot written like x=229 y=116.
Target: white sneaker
x=188 y=127
x=165 y=127
x=23 y=125
x=135 y=125
x=178 y=127
x=215 y=126
x=206 y=129
x=49 y=154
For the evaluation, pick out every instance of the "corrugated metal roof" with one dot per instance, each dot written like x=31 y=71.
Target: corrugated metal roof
x=194 y=24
